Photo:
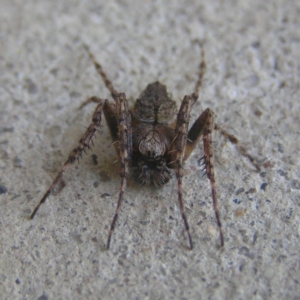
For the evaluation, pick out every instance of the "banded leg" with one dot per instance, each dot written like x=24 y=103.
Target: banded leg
x=101 y=72
x=203 y=128
x=180 y=142
x=109 y=112
x=179 y=146
x=125 y=149
x=202 y=68
x=208 y=127
x=243 y=151
x=84 y=143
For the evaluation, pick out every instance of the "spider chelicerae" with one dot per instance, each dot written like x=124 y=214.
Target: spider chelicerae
x=149 y=145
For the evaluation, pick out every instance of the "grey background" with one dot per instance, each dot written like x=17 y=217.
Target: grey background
x=252 y=84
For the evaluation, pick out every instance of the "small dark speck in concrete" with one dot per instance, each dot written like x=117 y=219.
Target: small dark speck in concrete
x=104 y=176
x=268 y=201
x=104 y=195
x=145 y=222
x=263 y=174
x=3 y=189
x=18 y=281
x=95 y=159
x=282 y=173
x=77 y=238
x=239 y=191
x=31 y=86
x=237 y=201
x=295 y=184
x=268 y=164
x=246 y=252
x=4 y=142
x=43 y=297
x=240 y=212
x=251 y=191
x=256 y=45
x=6 y=129
x=258 y=112
x=255 y=236
x=280 y=148
x=96 y=184
x=18 y=162
x=263 y=186
x=281 y=258
x=75 y=94
x=29 y=197
x=288 y=216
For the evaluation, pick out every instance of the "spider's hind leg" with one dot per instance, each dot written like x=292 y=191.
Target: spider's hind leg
x=243 y=151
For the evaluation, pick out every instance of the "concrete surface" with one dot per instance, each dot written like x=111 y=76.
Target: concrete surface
x=252 y=84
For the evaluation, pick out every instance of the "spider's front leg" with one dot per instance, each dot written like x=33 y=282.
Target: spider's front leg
x=203 y=127
x=179 y=149
x=123 y=118
x=84 y=143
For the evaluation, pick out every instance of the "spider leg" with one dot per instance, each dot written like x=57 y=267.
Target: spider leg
x=240 y=148
x=105 y=79
x=202 y=68
x=76 y=153
x=109 y=111
x=125 y=149
x=208 y=116
x=203 y=127
x=196 y=130
x=181 y=139
x=88 y=101
x=179 y=145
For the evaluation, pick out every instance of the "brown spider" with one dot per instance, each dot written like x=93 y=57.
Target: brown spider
x=148 y=147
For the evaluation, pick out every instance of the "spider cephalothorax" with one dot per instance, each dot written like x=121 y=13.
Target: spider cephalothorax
x=150 y=145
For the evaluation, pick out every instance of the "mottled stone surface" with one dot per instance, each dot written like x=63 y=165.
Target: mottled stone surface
x=251 y=83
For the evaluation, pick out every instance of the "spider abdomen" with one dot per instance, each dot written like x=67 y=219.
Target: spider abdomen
x=154 y=104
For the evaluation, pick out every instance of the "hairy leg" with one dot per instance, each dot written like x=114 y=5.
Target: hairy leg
x=202 y=68
x=203 y=128
x=243 y=151
x=109 y=111
x=181 y=142
x=101 y=72
x=84 y=143
x=125 y=149
x=179 y=145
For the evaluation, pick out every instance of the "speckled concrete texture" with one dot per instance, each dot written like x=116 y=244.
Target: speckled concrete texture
x=251 y=83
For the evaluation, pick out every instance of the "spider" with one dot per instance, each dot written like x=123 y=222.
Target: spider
x=149 y=145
